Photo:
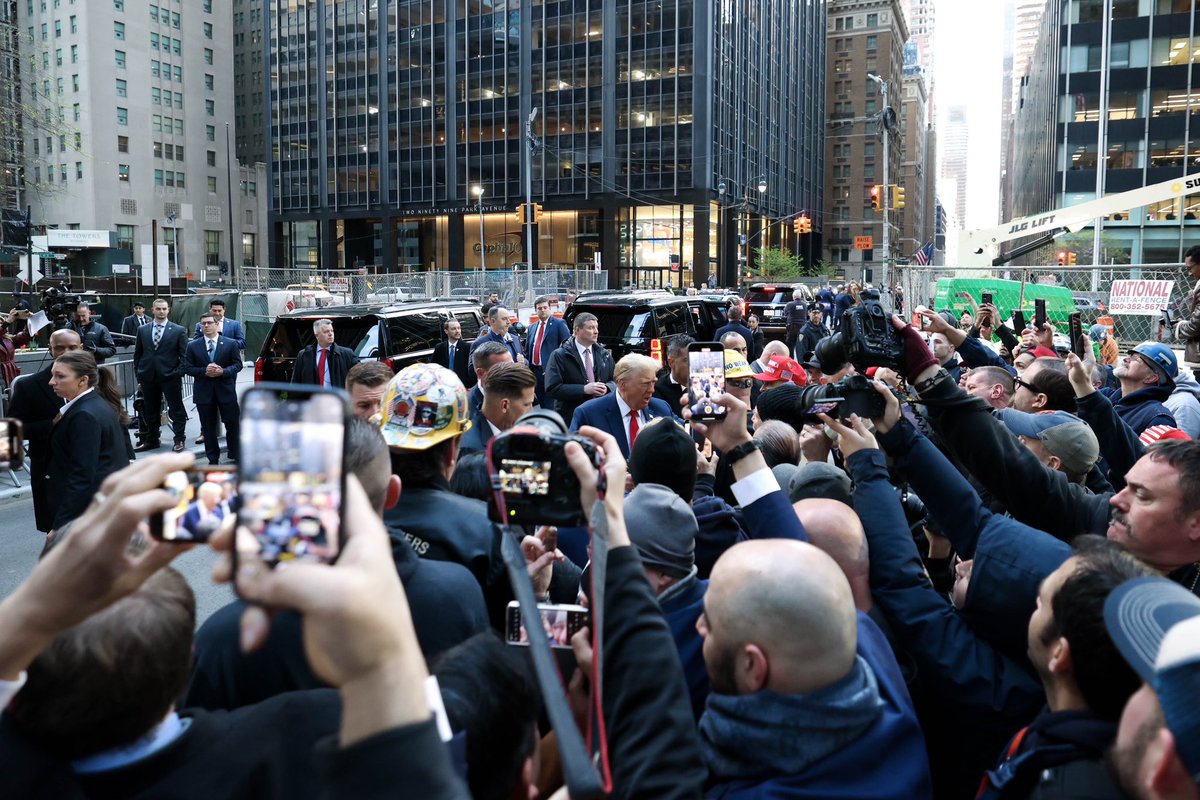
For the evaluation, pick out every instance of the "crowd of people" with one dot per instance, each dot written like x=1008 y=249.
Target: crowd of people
x=988 y=589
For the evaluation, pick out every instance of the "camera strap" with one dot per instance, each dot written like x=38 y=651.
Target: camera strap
x=580 y=775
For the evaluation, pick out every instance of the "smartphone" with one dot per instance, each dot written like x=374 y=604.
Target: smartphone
x=1019 y=324
x=12 y=444
x=987 y=298
x=706 y=449
x=1039 y=314
x=204 y=496
x=560 y=622
x=706 y=365
x=291 y=479
x=1075 y=325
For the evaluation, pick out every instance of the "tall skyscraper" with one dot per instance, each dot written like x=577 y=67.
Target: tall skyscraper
x=667 y=132
x=922 y=25
x=954 y=159
x=11 y=116
x=249 y=82
x=135 y=103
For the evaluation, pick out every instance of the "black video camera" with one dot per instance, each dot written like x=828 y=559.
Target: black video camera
x=865 y=338
x=59 y=302
x=854 y=394
x=531 y=474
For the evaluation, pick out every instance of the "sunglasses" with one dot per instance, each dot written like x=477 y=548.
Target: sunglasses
x=1027 y=385
x=740 y=383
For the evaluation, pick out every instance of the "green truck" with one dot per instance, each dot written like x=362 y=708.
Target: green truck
x=1006 y=296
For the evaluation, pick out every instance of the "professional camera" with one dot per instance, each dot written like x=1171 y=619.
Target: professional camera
x=59 y=303
x=915 y=512
x=854 y=394
x=530 y=470
x=865 y=338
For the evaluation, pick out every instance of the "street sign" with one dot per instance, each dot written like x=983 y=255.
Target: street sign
x=52 y=256
x=864 y=243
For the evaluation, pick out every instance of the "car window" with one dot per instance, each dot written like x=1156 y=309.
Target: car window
x=616 y=322
x=290 y=336
x=775 y=295
x=469 y=322
x=412 y=332
x=670 y=320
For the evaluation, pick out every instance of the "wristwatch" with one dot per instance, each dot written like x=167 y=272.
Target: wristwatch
x=741 y=451
x=928 y=383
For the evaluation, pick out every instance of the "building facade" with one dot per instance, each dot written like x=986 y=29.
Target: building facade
x=915 y=231
x=1108 y=105
x=667 y=133
x=133 y=135
x=249 y=82
x=865 y=36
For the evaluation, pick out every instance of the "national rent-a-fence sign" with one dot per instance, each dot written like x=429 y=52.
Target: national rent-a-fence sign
x=1139 y=297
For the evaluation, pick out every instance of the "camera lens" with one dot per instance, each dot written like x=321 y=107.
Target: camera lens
x=546 y=421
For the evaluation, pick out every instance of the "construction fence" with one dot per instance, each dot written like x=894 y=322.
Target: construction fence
x=1159 y=287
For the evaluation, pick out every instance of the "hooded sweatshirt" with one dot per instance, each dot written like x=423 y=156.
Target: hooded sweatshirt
x=1184 y=403
x=1142 y=408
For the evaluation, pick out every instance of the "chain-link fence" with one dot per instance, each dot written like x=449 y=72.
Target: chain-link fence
x=1088 y=290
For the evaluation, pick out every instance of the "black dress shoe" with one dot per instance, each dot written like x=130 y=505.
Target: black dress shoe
x=144 y=446
x=178 y=448
x=200 y=439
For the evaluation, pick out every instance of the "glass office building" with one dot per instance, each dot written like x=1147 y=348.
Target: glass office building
x=1110 y=103
x=669 y=131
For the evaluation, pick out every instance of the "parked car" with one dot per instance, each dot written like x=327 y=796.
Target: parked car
x=398 y=334
x=639 y=321
x=767 y=301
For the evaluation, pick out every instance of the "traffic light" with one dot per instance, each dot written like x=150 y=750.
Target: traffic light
x=807 y=220
x=521 y=214
x=897 y=197
x=802 y=224
x=537 y=212
x=877 y=197
x=1062 y=258
x=1071 y=259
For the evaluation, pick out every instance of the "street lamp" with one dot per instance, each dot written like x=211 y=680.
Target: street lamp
x=174 y=241
x=887 y=187
x=762 y=184
x=477 y=191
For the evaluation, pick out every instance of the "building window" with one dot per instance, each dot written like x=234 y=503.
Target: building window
x=212 y=158
x=252 y=187
x=119 y=5
x=122 y=116
x=248 y=249
x=75 y=111
x=208 y=30
x=122 y=88
x=872 y=21
x=154 y=14
x=210 y=108
x=75 y=83
x=78 y=170
x=212 y=184
x=210 y=133
x=178 y=72
x=179 y=179
x=179 y=126
x=155 y=69
x=179 y=152
x=122 y=172
x=119 y=30
x=78 y=140
x=169 y=151
x=158 y=149
x=208 y=55
x=74 y=54
x=175 y=20
x=170 y=178
x=62 y=172
x=208 y=81
x=57 y=28
x=158 y=177
x=58 y=57
x=872 y=42
x=207 y=6
x=212 y=248
x=119 y=55
x=122 y=144
x=125 y=237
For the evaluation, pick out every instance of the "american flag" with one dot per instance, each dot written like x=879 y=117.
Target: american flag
x=924 y=255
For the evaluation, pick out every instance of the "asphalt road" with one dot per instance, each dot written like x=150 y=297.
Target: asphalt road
x=21 y=542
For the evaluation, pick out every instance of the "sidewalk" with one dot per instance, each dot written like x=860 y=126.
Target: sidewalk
x=10 y=493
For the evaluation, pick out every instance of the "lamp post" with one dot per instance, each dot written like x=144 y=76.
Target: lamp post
x=887 y=187
x=477 y=190
x=174 y=241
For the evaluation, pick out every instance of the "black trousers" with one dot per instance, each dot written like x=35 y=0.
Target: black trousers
x=539 y=390
x=152 y=397
x=211 y=414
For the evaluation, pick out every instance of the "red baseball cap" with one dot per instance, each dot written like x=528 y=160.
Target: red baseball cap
x=1161 y=433
x=782 y=368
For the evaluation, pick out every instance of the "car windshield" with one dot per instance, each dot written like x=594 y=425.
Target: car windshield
x=775 y=295
x=618 y=323
x=290 y=336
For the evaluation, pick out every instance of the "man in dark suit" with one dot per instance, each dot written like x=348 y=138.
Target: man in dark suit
x=508 y=394
x=627 y=410
x=545 y=336
x=324 y=363
x=204 y=515
x=483 y=359
x=158 y=352
x=36 y=404
x=734 y=325
x=498 y=322
x=579 y=370
x=226 y=326
x=672 y=383
x=95 y=335
x=130 y=325
x=454 y=354
x=214 y=361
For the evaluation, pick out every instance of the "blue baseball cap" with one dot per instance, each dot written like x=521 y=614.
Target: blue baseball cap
x=1022 y=423
x=1155 y=624
x=1160 y=358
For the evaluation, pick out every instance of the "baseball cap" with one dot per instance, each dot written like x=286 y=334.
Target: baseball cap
x=424 y=404
x=1162 y=433
x=662 y=527
x=782 y=368
x=820 y=479
x=1160 y=358
x=1064 y=435
x=736 y=365
x=1155 y=624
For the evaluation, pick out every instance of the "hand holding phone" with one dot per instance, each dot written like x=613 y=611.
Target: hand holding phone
x=1039 y=314
x=1019 y=324
x=1078 y=343
x=205 y=497
x=12 y=444
x=987 y=298
x=706 y=381
x=560 y=622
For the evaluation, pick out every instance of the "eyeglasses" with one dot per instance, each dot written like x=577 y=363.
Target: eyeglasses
x=740 y=383
x=1026 y=384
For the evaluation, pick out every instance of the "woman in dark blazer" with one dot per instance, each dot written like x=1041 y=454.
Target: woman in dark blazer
x=89 y=441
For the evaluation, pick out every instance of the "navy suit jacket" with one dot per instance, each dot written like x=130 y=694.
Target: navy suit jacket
x=605 y=414
x=191 y=517
x=477 y=438
x=232 y=329
x=557 y=332
x=213 y=390
x=511 y=341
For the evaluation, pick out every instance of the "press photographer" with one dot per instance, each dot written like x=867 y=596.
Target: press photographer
x=95 y=335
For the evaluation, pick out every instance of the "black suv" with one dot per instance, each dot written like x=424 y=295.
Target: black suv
x=639 y=321
x=767 y=301
x=398 y=334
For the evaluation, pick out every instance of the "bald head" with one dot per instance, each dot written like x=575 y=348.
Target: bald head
x=734 y=341
x=64 y=340
x=778 y=615
x=773 y=348
x=834 y=528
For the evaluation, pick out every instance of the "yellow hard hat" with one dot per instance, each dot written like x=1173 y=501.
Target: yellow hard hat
x=736 y=365
x=424 y=404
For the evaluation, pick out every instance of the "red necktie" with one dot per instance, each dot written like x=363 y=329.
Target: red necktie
x=633 y=427
x=321 y=366
x=537 y=346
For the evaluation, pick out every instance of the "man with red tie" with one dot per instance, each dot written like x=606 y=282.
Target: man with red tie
x=545 y=336
x=627 y=410
x=324 y=363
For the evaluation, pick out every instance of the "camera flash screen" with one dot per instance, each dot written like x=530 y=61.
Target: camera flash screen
x=525 y=477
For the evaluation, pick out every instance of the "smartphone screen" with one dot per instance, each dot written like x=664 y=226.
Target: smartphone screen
x=205 y=497
x=706 y=365
x=291 y=480
x=12 y=452
x=1019 y=323
x=1075 y=325
x=560 y=622
x=987 y=298
x=1039 y=314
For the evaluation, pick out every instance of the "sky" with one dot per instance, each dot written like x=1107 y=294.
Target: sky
x=968 y=70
